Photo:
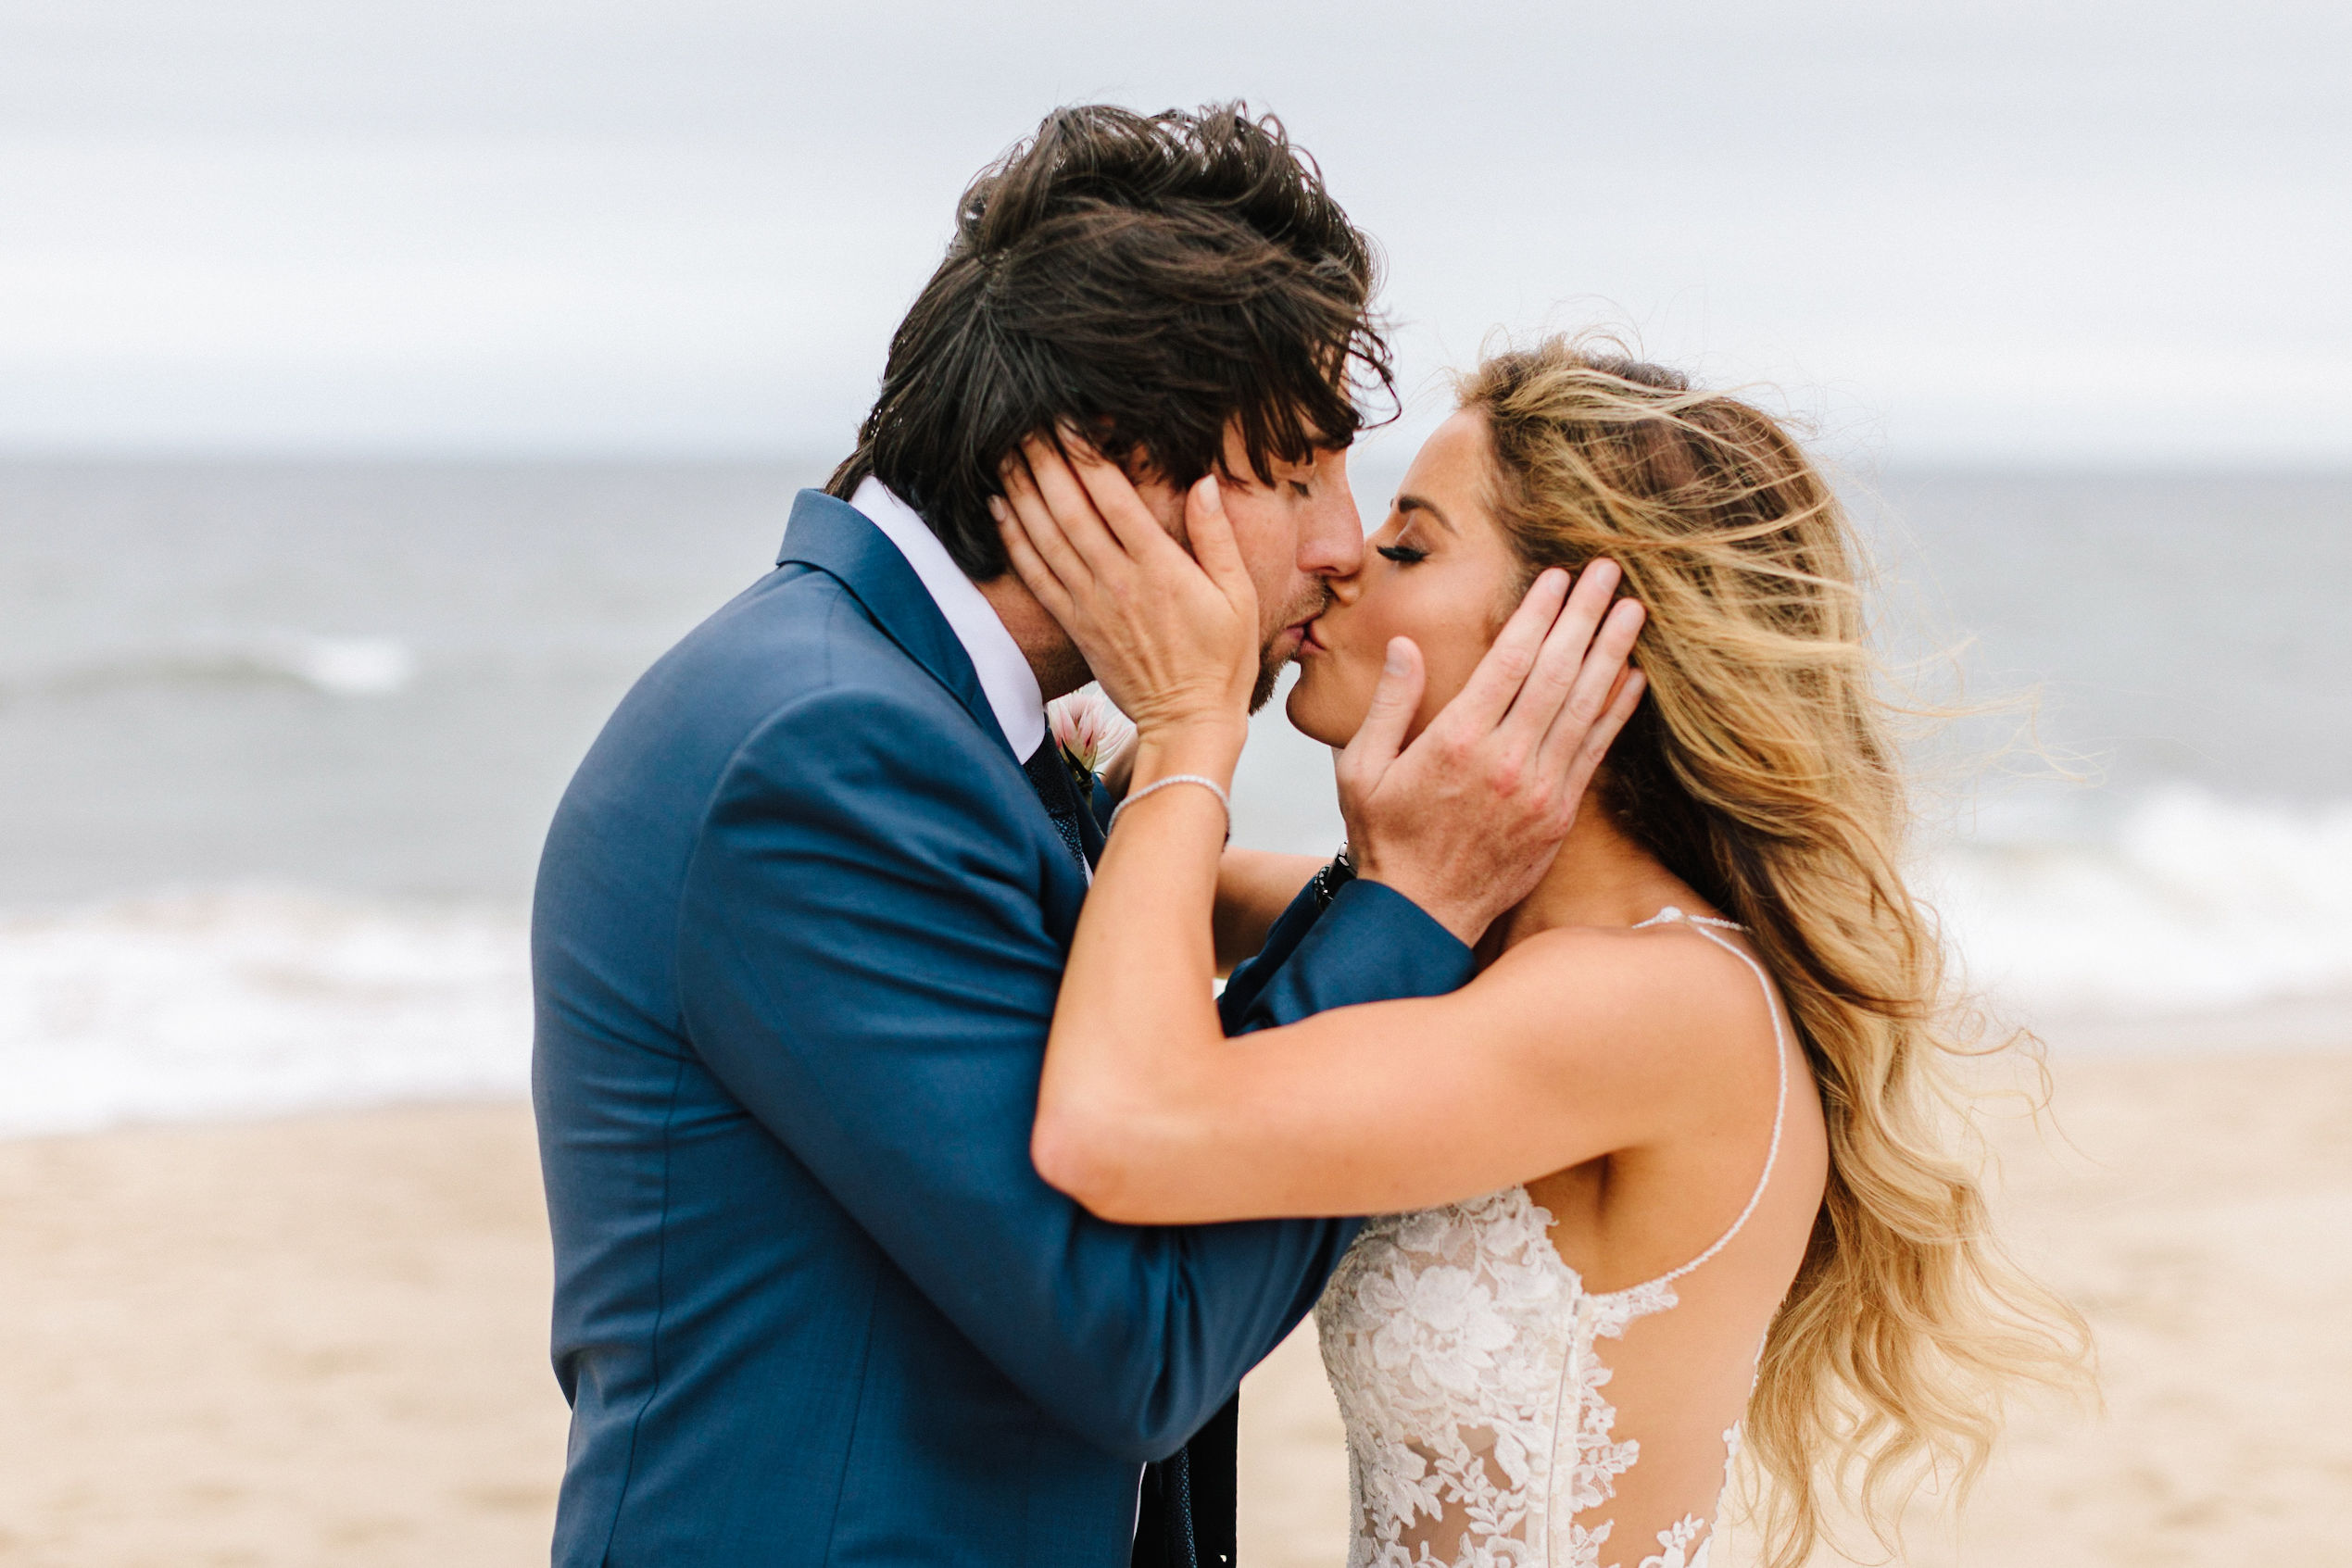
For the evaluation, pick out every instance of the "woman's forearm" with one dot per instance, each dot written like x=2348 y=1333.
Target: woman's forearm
x=1557 y=1053
x=1132 y=1053
x=1253 y=886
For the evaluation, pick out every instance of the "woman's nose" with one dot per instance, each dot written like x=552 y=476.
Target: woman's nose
x=1345 y=587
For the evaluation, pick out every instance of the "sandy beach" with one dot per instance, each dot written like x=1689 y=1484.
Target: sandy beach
x=322 y=1339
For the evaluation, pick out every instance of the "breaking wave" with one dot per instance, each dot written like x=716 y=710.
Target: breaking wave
x=254 y=1002
x=263 y=1001
x=342 y=667
x=2186 y=903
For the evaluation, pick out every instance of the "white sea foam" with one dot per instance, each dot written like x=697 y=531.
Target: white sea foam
x=344 y=666
x=254 y=1002
x=2189 y=904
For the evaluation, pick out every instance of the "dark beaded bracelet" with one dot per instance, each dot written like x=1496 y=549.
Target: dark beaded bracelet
x=1331 y=878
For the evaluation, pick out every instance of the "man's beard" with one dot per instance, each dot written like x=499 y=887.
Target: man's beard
x=1270 y=666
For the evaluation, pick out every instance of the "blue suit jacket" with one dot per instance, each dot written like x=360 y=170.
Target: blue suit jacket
x=798 y=928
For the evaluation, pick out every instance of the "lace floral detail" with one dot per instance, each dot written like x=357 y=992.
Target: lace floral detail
x=1465 y=1354
x=1676 y=1543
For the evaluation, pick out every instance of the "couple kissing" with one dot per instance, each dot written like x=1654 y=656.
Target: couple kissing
x=919 y=1199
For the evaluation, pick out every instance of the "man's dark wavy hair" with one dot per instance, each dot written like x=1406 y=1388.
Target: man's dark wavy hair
x=1146 y=279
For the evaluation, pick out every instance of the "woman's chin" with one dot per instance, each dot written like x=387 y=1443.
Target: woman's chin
x=1309 y=709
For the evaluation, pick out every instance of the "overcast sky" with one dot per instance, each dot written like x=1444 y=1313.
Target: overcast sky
x=2044 y=233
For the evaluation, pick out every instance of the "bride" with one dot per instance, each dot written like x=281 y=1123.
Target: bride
x=1675 y=1166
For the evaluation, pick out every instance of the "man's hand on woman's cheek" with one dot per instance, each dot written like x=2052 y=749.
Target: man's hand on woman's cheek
x=1465 y=819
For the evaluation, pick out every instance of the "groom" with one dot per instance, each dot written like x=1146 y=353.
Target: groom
x=803 y=911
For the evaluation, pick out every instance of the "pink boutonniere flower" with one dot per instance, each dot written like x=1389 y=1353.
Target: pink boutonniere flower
x=1088 y=728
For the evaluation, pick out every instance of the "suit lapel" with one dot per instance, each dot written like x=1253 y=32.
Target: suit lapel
x=834 y=537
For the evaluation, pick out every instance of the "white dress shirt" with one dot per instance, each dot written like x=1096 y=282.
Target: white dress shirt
x=1006 y=679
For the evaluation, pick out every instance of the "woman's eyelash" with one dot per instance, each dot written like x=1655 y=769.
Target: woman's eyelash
x=1403 y=555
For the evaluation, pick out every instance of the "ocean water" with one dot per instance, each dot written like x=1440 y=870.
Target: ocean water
x=277 y=743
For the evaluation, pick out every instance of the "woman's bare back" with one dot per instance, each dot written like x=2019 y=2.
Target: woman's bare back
x=1514 y=1397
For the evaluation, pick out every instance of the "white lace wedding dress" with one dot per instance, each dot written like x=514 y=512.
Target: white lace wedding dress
x=1471 y=1368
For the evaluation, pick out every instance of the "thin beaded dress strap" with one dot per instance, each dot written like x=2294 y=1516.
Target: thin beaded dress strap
x=1700 y=923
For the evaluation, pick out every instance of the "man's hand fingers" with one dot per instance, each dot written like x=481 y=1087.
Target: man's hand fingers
x=1597 y=739
x=1546 y=690
x=1394 y=701
x=1599 y=684
x=1486 y=694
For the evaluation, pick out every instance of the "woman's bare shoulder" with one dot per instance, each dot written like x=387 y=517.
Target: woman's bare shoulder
x=1665 y=1000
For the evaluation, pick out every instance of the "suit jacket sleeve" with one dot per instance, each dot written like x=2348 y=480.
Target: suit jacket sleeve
x=864 y=964
x=1371 y=944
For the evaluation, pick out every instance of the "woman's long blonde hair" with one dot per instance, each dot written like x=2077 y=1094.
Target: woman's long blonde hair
x=1761 y=770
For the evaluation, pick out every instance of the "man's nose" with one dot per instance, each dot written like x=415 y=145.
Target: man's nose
x=1331 y=535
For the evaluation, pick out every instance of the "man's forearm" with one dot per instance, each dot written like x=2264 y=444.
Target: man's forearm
x=1371 y=944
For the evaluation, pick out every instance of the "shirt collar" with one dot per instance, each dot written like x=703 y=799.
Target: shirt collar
x=1006 y=679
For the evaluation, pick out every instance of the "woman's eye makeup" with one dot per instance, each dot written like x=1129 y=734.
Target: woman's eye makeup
x=1403 y=555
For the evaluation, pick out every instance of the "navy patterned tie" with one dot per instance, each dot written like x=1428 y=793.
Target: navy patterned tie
x=1050 y=776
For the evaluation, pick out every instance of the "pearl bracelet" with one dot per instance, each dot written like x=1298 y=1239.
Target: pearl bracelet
x=1157 y=784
